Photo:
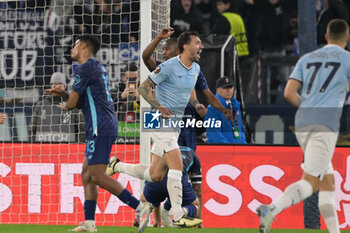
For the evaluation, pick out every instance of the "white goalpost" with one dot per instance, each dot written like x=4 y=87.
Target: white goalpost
x=151 y=24
x=42 y=148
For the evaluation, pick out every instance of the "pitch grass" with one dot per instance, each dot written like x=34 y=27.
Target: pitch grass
x=5 y=228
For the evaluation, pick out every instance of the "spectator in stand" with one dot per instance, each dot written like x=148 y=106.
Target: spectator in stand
x=50 y=124
x=231 y=131
x=184 y=16
x=2 y=118
x=64 y=9
x=101 y=18
x=249 y=12
x=229 y=23
x=83 y=15
x=347 y=3
x=333 y=9
x=273 y=43
x=291 y=7
x=272 y=16
x=107 y=21
x=131 y=21
x=207 y=9
x=127 y=97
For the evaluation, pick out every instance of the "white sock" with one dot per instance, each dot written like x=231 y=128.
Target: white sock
x=90 y=224
x=326 y=204
x=293 y=194
x=136 y=170
x=174 y=186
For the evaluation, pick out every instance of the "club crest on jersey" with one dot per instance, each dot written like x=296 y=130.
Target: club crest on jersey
x=77 y=79
x=157 y=70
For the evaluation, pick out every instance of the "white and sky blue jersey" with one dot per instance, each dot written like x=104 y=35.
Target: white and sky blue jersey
x=174 y=83
x=324 y=74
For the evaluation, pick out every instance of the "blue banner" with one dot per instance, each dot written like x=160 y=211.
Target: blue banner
x=25 y=48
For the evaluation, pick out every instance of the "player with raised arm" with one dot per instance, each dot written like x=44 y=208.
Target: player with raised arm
x=170 y=50
x=188 y=135
x=323 y=77
x=174 y=80
x=91 y=91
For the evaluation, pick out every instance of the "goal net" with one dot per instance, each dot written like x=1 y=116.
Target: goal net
x=41 y=147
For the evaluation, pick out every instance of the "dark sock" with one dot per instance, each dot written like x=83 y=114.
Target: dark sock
x=167 y=204
x=128 y=199
x=89 y=209
x=191 y=209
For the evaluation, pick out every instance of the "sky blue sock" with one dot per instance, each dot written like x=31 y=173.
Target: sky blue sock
x=191 y=209
x=128 y=199
x=89 y=209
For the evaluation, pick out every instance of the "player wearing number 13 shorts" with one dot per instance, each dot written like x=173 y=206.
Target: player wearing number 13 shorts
x=323 y=77
x=91 y=92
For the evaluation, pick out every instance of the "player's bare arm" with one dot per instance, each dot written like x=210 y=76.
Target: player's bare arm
x=198 y=190
x=146 y=91
x=291 y=92
x=71 y=103
x=2 y=118
x=213 y=101
x=56 y=91
x=200 y=108
x=147 y=58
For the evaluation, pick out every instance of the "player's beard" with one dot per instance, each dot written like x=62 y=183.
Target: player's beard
x=196 y=58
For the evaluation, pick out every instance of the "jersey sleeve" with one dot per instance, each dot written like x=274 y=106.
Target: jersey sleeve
x=196 y=167
x=201 y=83
x=80 y=82
x=297 y=73
x=159 y=74
x=195 y=170
x=348 y=69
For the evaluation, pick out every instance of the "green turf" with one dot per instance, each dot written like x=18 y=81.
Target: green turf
x=4 y=228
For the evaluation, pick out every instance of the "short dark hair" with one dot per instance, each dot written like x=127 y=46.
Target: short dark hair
x=92 y=42
x=224 y=1
x=130 y=67
x=185 y=38
x=171 y=40
x=337 y=29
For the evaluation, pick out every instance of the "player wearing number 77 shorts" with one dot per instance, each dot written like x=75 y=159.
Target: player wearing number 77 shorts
x=323 y=77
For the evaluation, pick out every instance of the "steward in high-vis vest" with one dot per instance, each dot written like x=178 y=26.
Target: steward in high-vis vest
x=229 y=23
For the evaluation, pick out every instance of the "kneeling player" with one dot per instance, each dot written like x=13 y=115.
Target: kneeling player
x=156 y=192
x=192 y=192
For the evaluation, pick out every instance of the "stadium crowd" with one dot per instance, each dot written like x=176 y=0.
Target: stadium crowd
x=260 y=17
x=253 y=23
